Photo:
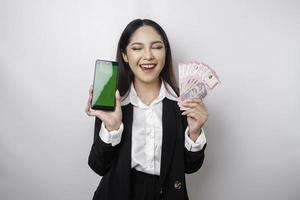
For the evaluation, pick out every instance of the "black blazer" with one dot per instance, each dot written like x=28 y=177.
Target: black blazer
x=114 y=163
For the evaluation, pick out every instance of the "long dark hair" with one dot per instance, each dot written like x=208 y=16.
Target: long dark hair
x=125 y=74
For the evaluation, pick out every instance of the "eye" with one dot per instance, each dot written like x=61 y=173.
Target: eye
x=136 y=48
x=157 y=47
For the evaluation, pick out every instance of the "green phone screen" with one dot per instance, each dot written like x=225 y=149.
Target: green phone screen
x=105 y=84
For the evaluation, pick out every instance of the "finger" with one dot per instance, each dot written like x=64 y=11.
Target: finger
x=190 y=104
x=88 y=110
x=90 y=100
x=202 y=115
x=195 y=100
x=192 y=115
x=91 y=90
x=196 y=106
x=118 y=99
x=188 y=111
x=199 y=112
x=196 y=116
x=91 y=113
x=88 y=106
x=199 y=103
x=201 y=109
x=96 y=113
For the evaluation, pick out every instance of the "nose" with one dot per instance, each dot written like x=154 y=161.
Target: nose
x=148 y=55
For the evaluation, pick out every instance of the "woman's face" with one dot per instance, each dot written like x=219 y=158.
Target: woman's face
x=145 y=54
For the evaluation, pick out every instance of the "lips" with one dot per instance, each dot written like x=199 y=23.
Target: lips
x=147 y=66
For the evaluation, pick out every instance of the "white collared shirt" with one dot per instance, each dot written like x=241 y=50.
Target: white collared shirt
x=147 y=131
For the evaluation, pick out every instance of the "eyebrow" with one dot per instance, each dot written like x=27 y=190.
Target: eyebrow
x=139 y=43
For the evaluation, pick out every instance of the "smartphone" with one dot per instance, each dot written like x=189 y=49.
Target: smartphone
x=105 y=85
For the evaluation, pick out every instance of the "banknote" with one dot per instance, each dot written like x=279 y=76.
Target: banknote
x=195 y=80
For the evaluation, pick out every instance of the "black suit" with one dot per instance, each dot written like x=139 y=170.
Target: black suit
x=114 y=163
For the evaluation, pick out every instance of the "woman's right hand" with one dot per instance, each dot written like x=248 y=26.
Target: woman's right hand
x=111 y=119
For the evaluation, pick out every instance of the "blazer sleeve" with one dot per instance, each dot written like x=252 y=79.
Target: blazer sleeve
x=192 y=160
x=101 y=155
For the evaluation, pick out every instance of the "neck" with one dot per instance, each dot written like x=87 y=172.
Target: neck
x=147 y=92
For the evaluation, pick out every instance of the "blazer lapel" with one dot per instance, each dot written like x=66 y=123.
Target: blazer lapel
x=169 y=137
x=126 y=136
x=123 y=166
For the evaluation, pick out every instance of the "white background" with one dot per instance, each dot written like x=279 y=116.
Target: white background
x=47 y=55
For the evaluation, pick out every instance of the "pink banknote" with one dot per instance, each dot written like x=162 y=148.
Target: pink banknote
x=195 y=80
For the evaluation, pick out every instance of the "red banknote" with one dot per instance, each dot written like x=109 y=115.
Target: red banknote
x=195 y=80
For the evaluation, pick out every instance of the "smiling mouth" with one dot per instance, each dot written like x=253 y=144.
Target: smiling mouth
x=147 y=67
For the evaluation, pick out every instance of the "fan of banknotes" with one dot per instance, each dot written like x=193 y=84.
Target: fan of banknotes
x=195 y=80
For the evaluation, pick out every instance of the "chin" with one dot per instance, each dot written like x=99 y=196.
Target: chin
x=149 y=80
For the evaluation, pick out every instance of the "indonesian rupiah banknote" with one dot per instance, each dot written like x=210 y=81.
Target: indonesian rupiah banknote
x=195 y=80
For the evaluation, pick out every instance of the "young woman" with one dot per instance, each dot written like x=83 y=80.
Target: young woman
x=144 y=148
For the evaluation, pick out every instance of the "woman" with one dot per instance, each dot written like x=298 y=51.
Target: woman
x=144 y=148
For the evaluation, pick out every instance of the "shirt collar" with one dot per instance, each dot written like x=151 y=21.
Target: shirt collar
x=165 y=91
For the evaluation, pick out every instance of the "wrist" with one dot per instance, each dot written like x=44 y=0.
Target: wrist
x=112 y=128
x=195 y=134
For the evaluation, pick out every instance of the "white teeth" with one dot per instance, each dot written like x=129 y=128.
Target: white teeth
x=147 y=66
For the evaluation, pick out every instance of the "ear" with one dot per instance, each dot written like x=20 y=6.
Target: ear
x=125 y=57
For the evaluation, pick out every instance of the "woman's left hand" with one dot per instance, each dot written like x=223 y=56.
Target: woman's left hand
x=196 y=114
